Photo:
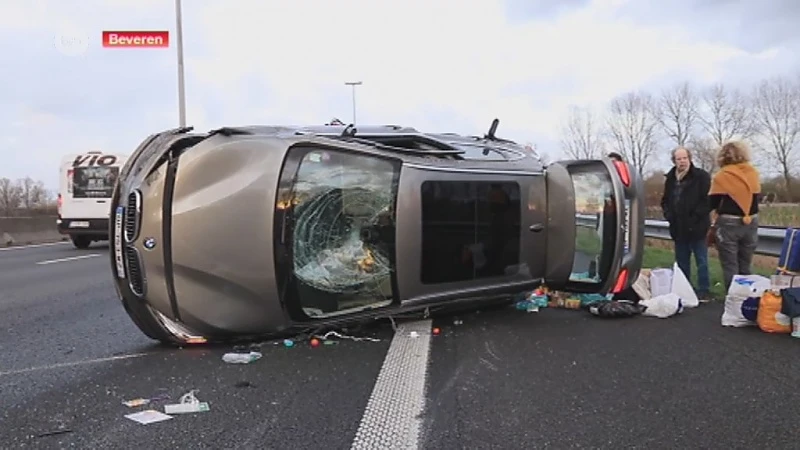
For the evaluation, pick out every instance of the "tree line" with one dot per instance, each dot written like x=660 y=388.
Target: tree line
x=644 y=126
x=25 y=197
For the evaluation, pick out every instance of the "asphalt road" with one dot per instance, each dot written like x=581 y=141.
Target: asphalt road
x=499 y=379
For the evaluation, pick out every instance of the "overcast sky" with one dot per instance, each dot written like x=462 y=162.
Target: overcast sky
x=438 y=65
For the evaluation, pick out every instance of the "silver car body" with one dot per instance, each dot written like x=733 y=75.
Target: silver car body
x=218 y=236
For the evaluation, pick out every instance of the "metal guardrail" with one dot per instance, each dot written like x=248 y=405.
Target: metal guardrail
x=770 y=239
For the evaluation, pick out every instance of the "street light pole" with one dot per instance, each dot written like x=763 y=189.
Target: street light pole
x=181 y=84
x=353 y=85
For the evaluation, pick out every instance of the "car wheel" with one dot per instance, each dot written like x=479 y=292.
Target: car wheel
x=81 y=242
x=158 y=327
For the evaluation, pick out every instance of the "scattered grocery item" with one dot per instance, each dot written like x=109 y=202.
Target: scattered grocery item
x=241 y=358
x=188 y=404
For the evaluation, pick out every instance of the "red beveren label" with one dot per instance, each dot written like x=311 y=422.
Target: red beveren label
x=134 y=39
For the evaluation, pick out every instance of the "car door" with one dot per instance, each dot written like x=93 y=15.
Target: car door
x=595 y=232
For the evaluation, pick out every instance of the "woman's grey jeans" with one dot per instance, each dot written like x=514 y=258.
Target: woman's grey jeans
x=736 y=245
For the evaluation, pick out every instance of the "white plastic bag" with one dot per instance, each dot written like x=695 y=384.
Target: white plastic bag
x=660 y=282
x=662 y=306
x=740 y=310
x=748 y=285
x=642 y=285
x=683 y=288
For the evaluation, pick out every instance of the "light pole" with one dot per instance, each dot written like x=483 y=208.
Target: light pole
x=353 y=85
x=181 y=84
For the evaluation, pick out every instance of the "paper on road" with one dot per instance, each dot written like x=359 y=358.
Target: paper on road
x=148 y=417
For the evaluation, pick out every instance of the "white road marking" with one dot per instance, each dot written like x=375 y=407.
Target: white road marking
x=23 y=247
x=71 y=258
x=393 y=414
x=73 y=364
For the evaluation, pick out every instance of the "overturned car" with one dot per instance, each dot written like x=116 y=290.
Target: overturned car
x=247 y=232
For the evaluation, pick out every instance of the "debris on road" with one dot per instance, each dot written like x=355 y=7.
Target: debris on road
x=533 y=301
x=241 y=358
x=136 y=402
x=55 y=432
x=188 y=404
x=327 y=335
x=615 y=309
x=147 y=417
x=144 y=401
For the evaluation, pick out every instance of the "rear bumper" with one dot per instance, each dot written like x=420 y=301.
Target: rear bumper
x=83 y=227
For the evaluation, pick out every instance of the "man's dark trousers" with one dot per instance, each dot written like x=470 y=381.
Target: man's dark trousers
x=683 y=256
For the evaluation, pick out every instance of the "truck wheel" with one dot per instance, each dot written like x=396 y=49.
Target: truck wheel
x=81 y=242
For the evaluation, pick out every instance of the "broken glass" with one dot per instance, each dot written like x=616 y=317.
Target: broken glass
x=343 y=237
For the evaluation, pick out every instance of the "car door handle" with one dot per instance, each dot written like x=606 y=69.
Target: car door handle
x=537 y=227
x=101 y=201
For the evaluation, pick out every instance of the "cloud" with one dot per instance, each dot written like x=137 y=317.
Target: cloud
x=435 y=65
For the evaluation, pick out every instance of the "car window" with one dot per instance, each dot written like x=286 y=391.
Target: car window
x=343 y=231
x=470 y=230
x=594 y=247
x=94 y=181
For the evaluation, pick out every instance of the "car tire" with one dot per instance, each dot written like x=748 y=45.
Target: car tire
x=81 y=242
x=145 y=319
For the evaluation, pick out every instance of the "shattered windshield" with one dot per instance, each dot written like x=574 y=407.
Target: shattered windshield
x=343 y=231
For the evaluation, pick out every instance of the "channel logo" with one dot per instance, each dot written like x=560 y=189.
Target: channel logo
x=135 y=39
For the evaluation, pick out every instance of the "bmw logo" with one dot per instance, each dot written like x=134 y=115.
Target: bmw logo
x=150 y=243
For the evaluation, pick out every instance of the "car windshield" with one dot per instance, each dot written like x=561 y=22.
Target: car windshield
x=343 y=237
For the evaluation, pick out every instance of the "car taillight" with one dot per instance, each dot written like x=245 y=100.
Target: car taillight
x=624 y=174
x=60 y=201
x=619 y=286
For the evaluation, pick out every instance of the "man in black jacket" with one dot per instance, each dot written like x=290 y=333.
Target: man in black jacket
x=686 y=208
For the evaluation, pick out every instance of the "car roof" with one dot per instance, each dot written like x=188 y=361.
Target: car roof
x=387 y=136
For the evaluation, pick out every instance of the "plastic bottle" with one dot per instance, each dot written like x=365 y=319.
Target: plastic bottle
x=241 y=358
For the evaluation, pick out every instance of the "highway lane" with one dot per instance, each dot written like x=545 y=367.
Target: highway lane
x=499 y=379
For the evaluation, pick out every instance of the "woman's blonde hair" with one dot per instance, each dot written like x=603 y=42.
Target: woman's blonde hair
x=733 y=152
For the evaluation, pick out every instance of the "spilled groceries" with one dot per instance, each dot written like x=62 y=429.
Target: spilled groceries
x=658 y=292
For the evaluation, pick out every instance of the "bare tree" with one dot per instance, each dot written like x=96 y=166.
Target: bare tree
x=776 y=105
x=580 y=137
x=9 y=197
x=632 y=128
x=725 y=114
x=677 y=111
x=704 y=152
x=26 y=192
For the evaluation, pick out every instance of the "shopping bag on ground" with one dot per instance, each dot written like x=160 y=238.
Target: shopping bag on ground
x=790 y=302
x=740 y=310
x=660 y=282
x=683 y=288
x=663 y=306
x=748 y=285
x=770 y=318
x=642 y=285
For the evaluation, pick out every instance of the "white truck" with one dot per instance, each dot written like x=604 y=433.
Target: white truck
x=86 y=184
